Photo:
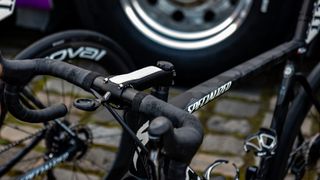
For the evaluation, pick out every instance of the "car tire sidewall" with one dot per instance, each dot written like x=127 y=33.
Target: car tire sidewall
x=259 y=32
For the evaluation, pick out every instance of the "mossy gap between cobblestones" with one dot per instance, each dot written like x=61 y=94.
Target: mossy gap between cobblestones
x=4 y=141
x=105 y=147
x=69 y=166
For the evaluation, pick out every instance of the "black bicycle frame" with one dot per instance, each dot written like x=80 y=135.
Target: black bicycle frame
x=198 y=96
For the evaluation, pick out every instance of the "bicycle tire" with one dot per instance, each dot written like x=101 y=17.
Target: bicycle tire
x=120 y=60
x=298 y=112
x=80 y=46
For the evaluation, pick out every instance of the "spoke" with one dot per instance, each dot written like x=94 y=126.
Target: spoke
x=71 y=101
x=31 y=90
x=26 y=102
x=63 y=92
x=72 y=97
x=46 y=90
x=32 y=97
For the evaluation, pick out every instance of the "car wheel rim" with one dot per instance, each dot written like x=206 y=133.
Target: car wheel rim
x=187 y=24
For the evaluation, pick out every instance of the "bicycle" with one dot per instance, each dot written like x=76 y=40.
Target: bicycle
x=186 y=124
x=274 y=145
x=82 y=48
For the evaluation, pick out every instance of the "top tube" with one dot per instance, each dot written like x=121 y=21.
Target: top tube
x=198 y=96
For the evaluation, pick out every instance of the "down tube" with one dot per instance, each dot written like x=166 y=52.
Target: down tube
x=200 y=95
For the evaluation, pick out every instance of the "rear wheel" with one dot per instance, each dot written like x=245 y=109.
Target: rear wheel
x=298 y=150
x=98 y=132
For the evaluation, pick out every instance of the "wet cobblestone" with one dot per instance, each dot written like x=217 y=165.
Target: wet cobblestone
x=222 y=144
x=237 y=108
x=220 y=124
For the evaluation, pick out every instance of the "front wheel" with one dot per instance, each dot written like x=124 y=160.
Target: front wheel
x=98 y=132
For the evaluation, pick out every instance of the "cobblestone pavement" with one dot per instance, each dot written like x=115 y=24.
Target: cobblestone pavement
x=227 y=121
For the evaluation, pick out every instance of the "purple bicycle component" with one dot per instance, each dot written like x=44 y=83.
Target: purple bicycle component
x=38 y=4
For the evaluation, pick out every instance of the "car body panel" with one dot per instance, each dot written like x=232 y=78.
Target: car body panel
x=38 y=4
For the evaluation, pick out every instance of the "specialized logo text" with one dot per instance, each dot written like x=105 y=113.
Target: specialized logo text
x=203 y=101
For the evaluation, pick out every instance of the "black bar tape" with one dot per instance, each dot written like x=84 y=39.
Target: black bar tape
x=159 y=127
x=188 y=132
x=68 y=72
x=19 y=72
x=88 y=80
x=15 y=107
x=137 y=101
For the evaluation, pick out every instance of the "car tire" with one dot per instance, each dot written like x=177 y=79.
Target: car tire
x=258 y=32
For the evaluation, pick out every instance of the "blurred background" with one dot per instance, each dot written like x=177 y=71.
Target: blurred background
x=202 y=38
